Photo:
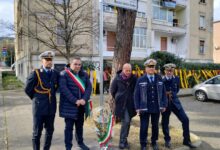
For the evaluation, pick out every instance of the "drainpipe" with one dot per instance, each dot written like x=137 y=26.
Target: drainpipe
x=29 y=49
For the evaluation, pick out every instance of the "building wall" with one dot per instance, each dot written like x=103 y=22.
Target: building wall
x=196 y=9
x=216 y=39
x=28 y=50
x=182 y=40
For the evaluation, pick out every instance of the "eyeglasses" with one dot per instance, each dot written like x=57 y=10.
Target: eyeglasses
x=48 y=59
x=77 y=64
x=170 y=70
x=151 y=66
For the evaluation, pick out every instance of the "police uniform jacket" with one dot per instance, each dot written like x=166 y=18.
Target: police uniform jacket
x=173 y=85
x=150 y=97
x=41 y=88
x=70 y=93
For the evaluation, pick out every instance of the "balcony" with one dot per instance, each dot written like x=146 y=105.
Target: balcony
x=168 y=4
x=182 y=3
x=172 y=28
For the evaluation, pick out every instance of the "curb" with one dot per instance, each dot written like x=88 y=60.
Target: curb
x=184 y=95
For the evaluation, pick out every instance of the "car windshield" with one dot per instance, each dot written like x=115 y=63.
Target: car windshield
x=215 y=80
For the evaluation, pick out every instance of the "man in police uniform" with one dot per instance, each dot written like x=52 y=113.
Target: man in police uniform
x=150 y=100
x=41 y=86
x=172 y=84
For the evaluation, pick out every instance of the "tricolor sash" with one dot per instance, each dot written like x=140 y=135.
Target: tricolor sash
x=82 y=88
x=104 y=141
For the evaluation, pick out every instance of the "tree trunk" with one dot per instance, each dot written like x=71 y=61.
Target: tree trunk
x=124 y=37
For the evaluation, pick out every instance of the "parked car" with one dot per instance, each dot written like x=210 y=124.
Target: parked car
x=209 y=89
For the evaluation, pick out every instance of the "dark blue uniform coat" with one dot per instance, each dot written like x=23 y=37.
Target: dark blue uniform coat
x=44 y=104
x=174 y=105
x=147 y=93
x=150 y=97
x=41 y=103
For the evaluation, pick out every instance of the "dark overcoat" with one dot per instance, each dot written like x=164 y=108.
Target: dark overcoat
x=70 y=93
x=123 y=93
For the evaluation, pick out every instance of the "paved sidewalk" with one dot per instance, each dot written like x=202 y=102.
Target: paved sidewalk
x=16 y=124
x=185 y=92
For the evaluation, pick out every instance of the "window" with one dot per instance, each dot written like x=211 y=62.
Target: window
x=162 y=14
x=156 y=2
x=202 y=1
x=59 y=1
x=156 y=13
x=202 y=22
x=139 y=38
x=217 y=80
x=201 y=46
x=141 y=14
x=60 y=35
x=108 y=8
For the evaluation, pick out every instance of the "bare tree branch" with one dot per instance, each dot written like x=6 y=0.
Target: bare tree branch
x=65 y=21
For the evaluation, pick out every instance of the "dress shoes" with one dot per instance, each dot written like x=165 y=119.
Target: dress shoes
x=167 y=144
x=143 y=148
x=155 y=146
x=189 y=144
x=83 y=146
x=124 y=145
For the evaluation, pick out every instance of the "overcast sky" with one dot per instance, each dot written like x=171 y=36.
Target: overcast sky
x=7 y=13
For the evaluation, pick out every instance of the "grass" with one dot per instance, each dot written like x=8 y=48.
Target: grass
x=176 y=134
x=10 y=82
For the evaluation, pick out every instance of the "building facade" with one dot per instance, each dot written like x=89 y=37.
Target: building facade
x=216 y=39
x=39 y=21
x=182 y=27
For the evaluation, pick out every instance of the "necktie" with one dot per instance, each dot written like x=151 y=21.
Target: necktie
x=151 y=79
x=49 y=73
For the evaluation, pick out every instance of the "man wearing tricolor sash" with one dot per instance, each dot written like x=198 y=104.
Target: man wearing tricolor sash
x=75 y=91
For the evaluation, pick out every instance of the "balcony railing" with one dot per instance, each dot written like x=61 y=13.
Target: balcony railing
x=168 y=4
x=181 y=2
x=168 y=27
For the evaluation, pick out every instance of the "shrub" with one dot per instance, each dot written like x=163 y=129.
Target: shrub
x=164 y=57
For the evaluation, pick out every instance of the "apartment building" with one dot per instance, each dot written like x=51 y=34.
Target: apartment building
x=182 y=27
x=216 y=39
x=43 y=19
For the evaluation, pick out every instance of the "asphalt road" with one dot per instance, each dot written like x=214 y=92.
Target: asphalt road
x=204 y=121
